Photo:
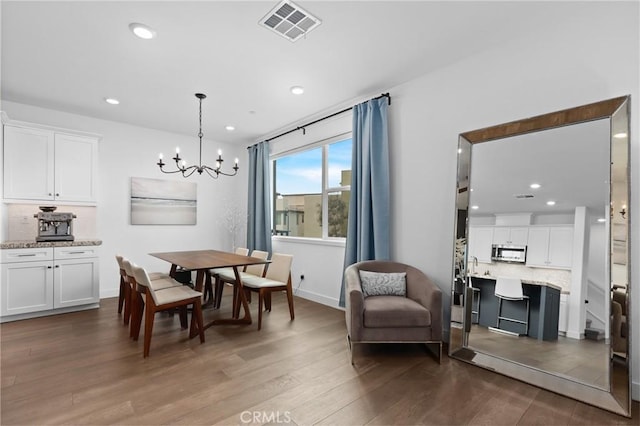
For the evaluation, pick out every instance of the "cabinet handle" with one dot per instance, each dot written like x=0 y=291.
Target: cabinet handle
x=76 y=252
x=57 y=266
x=50 y=194
x=27 y=255
x=57 y=195
x=48 y=267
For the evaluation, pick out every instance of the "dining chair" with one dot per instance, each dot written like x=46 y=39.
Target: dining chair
x=277 y=278
x=250 y=271
x=136 y=293
x=162 y=295
x=124 y=295
x=214 y=297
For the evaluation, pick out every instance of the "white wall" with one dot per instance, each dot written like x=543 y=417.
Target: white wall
x=127 y=151
x=591 y=58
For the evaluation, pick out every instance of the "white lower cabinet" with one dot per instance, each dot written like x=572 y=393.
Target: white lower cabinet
x=36 y=280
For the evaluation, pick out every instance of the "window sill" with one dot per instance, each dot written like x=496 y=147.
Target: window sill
x=314 y=241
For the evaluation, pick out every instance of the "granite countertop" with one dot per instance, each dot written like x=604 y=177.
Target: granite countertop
x=34 y=244
x=524 y=281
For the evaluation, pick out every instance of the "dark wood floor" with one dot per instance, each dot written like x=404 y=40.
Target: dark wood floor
x=82 y=369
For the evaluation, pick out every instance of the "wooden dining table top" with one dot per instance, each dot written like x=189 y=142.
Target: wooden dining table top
x=207 y=259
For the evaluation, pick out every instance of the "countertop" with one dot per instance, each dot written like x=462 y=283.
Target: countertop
x=524 y=281
x=34 y=244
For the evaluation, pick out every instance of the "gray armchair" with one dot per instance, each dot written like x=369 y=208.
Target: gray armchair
x=416 y=318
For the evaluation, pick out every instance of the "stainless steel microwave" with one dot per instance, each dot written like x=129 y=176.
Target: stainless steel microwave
x=508 y=253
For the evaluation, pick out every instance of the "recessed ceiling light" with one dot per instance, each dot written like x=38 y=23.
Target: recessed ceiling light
x=475 y=207
x=230 y=128
x=534 y=186
x=297 y=90
x=551 y=203
x=142 y=31
x=602 y=219
x=620 y=135
x=112 y=101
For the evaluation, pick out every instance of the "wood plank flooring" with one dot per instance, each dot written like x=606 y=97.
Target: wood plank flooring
x=83 y=369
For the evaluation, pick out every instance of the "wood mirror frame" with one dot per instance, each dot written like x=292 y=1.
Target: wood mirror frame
x=617 y=396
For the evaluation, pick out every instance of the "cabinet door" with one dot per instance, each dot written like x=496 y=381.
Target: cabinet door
x=480 y=240
x=538 y=247
x=501 y=235
x=28 y=163
x=26 y=287
x=75 y=168
x=519 y=236
x=75 y=282
x=561 y=247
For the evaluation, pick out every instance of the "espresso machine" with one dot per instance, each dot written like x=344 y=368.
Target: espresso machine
x=54 y=226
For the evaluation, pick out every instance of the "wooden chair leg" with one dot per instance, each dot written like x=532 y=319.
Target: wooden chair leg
x=267 y=300
x=290 y=300
x=196 y=321
x=219 y=287
x=260 y=302
x=127 y=304
x=136 y=324
x=121 y=295
x=183 y=317
x=148 y=329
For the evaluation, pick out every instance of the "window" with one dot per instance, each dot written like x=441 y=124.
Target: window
x=312 y=190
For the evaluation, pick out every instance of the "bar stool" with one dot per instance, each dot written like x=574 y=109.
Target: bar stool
x=510 y=289
x=475 y=302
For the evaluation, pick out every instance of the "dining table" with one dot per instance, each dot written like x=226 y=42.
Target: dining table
x=202 y=261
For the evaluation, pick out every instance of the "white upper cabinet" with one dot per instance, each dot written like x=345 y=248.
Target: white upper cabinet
x=511 y=235
x=28 y=163
x=480 y=239
x=550 y=247
x=44 y=164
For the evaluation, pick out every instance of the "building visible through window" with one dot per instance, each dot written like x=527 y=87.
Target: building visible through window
x=312 y=190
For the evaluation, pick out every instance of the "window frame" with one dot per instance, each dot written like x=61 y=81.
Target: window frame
x=325 y=188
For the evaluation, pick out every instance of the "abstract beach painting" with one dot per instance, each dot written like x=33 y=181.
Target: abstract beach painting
x=163 y=202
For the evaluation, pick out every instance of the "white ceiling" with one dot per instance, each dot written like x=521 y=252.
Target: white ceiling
x=571 y=164
x=69 y=56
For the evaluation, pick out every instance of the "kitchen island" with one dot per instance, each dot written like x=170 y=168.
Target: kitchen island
x=544 y=307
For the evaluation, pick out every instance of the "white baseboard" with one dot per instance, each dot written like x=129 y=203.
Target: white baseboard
x=319 y=298
x=635 y=391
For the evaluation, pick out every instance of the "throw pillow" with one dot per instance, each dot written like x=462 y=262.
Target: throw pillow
x=383 y=284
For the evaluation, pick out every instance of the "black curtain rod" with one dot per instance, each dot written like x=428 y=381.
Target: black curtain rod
x=384 y=95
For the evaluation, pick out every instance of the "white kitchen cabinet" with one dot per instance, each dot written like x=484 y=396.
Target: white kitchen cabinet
x=479 y=242
x=48 y=279
x=44 y=164
x=505 y=235
x=550 y=247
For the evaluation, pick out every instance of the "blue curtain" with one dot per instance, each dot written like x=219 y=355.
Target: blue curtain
x=258 y=205
x=368 y=233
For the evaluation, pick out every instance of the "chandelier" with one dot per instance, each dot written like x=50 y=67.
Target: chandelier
x=181 y=164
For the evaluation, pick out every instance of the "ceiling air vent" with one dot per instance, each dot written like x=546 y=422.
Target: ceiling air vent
x=523 y=196
x=290 y=21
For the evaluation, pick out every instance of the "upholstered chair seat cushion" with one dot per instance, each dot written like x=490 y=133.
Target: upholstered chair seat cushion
x=157 y=276
x=394 y=311
x=173 y=294
x=162 y=283
x=229 y=275
x=258 y=282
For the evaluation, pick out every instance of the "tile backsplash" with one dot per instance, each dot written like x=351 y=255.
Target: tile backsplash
x=24 y=227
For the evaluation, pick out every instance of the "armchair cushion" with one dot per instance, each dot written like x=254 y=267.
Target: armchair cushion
x=383 y=284
x=384 y=312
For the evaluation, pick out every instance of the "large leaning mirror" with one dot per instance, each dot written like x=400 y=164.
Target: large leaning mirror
x=541 y=275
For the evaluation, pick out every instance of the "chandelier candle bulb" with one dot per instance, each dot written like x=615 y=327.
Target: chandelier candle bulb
x=160 y=156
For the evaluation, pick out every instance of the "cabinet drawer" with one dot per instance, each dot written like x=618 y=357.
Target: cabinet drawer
x=26 y=255
x=75 y=252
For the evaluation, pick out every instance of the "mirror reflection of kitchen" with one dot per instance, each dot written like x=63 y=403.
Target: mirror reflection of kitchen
x=538 y=249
